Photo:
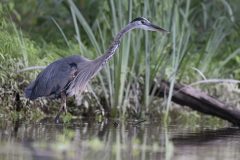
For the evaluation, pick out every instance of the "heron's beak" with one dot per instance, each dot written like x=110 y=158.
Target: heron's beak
x=154 y=27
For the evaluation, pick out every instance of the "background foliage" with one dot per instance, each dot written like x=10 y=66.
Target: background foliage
x=204 y=39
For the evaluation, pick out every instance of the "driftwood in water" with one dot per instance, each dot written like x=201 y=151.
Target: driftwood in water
x=199 y=101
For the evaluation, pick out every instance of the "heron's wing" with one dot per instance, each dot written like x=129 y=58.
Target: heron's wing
x=51 y=81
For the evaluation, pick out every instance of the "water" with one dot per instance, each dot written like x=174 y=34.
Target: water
x=82 y=139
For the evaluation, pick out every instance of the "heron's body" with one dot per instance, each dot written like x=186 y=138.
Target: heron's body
x=69 y=76
x=55 y=78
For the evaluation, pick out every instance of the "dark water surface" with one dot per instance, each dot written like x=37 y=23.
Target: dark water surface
x=87 y=140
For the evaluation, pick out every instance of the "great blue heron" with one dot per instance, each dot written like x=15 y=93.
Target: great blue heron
x=69 y=76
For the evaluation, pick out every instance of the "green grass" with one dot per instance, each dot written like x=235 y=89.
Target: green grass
x=141 y=54
x=124 y=71
x=204 y=36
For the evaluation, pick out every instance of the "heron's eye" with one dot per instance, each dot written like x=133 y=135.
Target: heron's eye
x=143 y=22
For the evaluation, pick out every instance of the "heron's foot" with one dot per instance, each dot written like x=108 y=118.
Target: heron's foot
x=57 y=118
x=100 y=115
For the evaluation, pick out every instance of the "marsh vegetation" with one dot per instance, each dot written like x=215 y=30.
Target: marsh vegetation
x=203 y=44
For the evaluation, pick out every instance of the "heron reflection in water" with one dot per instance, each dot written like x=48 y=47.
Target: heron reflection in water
x=69 y=76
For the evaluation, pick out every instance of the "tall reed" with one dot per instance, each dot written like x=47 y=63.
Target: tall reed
x=143 y=56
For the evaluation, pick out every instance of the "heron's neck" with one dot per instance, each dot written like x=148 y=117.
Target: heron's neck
x=114 y=46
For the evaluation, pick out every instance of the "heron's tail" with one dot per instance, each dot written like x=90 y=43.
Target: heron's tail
x=28 y=91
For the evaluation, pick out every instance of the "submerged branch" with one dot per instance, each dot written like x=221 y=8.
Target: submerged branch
x=199 y=101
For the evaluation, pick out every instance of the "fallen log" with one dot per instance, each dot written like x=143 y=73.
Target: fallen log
x=198 y=100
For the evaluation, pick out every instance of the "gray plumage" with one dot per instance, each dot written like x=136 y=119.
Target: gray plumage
x=55 y=78
x=69 y=76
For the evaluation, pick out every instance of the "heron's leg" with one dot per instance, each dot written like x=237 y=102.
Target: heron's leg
x=63 y=106
x=64 y=102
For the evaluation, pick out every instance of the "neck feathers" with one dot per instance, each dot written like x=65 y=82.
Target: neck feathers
x=113 y=47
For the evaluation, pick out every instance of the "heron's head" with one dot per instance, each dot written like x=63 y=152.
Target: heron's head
x=145 y=24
